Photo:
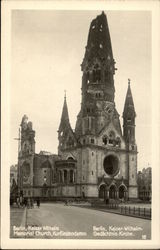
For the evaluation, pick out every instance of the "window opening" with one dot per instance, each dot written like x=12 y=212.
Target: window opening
x=105 y=139
x=111 y=137
x=71 y=176
x=96 y=75
x=92 y=140
x=65 y=175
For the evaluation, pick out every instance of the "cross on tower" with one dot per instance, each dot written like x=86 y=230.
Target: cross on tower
x=129 y=80
x=65 y=94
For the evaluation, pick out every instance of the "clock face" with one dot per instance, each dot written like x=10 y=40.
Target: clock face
x=108 y=109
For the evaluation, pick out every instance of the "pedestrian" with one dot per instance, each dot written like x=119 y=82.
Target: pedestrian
x=18 y=201
x=21 y=201
x=25 y=202
x=31 y=202
x=38 y=202
x=28 y=203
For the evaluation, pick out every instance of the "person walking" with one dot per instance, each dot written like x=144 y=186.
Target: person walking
x=21 y=201
x=31 y=202
x=28 y=203
x=25 y=202
x=38 y=202
x=18 y=201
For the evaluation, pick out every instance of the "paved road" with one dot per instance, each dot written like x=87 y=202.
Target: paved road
x=84 y=220
x=16 y=216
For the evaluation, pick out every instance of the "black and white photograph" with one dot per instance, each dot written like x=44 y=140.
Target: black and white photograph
x=80 y=125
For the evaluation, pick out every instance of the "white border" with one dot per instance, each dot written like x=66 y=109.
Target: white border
x=7 y=7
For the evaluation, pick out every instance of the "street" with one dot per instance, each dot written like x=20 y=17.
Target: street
x=87 y=222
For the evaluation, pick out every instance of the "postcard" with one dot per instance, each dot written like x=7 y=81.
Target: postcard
x=80 y=119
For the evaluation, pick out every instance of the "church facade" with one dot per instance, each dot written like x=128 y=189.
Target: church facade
x=96 y=159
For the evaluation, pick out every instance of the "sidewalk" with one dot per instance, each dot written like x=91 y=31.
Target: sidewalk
x=17 y=218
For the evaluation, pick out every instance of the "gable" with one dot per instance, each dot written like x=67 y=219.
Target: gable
x=111 y=136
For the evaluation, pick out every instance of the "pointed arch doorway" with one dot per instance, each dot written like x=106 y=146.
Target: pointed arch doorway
x=122 y=192
x=112 y=192
x=103 y=191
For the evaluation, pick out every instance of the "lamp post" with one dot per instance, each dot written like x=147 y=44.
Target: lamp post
x=19 y=149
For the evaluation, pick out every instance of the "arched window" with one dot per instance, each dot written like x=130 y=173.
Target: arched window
x=96 y=73
x=118 y=142
x=65 y=176
x=111 y=137
x=88 y=110
x=70 y=158
x=92 y=140
x=105 y=140
x=60 y=177
x=71 y=177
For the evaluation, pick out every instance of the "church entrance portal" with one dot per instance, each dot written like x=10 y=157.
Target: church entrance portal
x=102 y=191
x=112 y=192
x=122 y=192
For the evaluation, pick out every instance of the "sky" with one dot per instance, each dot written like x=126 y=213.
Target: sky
x=47 y=49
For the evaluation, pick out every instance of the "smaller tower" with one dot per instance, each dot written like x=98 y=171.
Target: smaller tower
x=65 y=133
x=129 y=115
x=26 y=156
x=27 y=137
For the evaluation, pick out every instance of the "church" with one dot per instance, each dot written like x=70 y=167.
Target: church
x=98 y=159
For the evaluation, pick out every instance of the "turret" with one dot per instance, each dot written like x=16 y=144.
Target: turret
x=64 y=128
x=129 y=115
x=27 y=137
x=64 y=117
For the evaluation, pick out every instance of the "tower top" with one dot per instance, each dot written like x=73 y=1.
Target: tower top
x=65 y=94
x=129 y=80
x=65 y=116
x=98 y=65
x=129 y=104
x=99 y=42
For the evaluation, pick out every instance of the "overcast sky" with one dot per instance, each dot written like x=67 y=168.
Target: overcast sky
x=47 y=49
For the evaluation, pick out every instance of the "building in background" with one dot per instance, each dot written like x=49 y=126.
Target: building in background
x=97 y=159
x=13 y=174
x=13 y=182
x=145 y=184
